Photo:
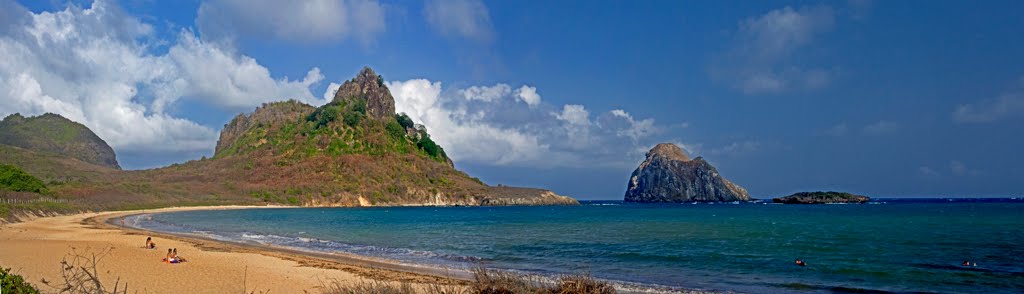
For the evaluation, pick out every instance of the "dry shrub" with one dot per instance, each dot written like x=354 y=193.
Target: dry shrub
x=583 y=283
x=80 y=275
x=367 y=287
x=496 y=282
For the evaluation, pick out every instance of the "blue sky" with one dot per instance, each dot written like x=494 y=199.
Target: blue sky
x=884 y=98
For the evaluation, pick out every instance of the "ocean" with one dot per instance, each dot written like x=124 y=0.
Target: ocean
x=889 y=245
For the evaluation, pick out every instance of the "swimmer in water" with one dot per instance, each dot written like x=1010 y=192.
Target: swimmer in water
x=800 y=262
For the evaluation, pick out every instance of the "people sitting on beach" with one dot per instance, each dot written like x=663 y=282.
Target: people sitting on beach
x=800 y=262
x=174 y=254
x=149 y=243
x=170 y=256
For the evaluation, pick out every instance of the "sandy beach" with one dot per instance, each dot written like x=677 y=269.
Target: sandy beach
x=34 y=249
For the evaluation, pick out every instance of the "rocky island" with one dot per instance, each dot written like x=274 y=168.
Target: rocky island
x=668 y=175
x=821 y=198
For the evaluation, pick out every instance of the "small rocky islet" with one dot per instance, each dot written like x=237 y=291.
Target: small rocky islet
x=821 y=198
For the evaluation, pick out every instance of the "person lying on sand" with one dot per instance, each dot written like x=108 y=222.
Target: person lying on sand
x=149 y=243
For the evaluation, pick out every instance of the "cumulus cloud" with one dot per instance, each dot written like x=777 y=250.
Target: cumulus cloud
x=1009 y=103
x=95 y=66
x=487 y=94
x=528 y=95
x=500 y=130
x=763 y=56
x=306 y=21
x=637 y=129
x=460 y=18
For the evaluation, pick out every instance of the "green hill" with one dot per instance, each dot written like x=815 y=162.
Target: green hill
x=353 y=151
x=55 y=134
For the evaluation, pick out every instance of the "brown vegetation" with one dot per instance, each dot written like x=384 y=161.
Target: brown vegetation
x=485 y=282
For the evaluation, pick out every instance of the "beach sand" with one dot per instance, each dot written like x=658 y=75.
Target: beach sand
x=34 y=249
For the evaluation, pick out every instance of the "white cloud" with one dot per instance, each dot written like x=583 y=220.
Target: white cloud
x=472 y=139
x=502 y=131
x=881 y=127
x=332 y=89
x=94 y=65
x=486 y=94
x=574 y=114
x=763 y=58
x=528 y=95
x=460 y=18
x=637 y=129
x=235 y=81
x=1007 y=104
x=306 y=21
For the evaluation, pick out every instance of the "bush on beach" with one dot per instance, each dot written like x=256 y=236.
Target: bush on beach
x=14 y=284
x=485 y=281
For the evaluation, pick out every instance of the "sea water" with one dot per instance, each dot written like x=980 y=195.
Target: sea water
x=886 y=246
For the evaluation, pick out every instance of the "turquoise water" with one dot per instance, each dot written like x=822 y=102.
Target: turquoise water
x=897 y=246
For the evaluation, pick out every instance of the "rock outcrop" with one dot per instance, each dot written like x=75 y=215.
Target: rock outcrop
x=668 y=175
x=266 y=115
x=821 y=198
x=54 y=134
x=369 y=87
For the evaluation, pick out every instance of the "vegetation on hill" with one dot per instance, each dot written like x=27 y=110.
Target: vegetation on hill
x=353 y=151
x=14 y=179
x=51 y=133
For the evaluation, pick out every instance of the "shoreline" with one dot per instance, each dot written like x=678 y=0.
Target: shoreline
x=460 y=277
x=35 y=248
x=254 y=267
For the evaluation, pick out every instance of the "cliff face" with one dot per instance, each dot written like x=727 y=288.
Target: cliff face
x=369 y=87
x=668 y=175
x=266 y=115
x=54 y=134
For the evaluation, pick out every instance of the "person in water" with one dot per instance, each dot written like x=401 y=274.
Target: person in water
x=800 y=262
x=967 y=263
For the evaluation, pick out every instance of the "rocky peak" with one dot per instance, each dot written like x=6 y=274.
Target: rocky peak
x=369 y=87
x=668 y=175
x=668 y=151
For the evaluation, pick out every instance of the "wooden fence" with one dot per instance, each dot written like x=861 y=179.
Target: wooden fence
x=37 y=200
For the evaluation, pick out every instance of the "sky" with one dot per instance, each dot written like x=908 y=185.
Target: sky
x=882 y=98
